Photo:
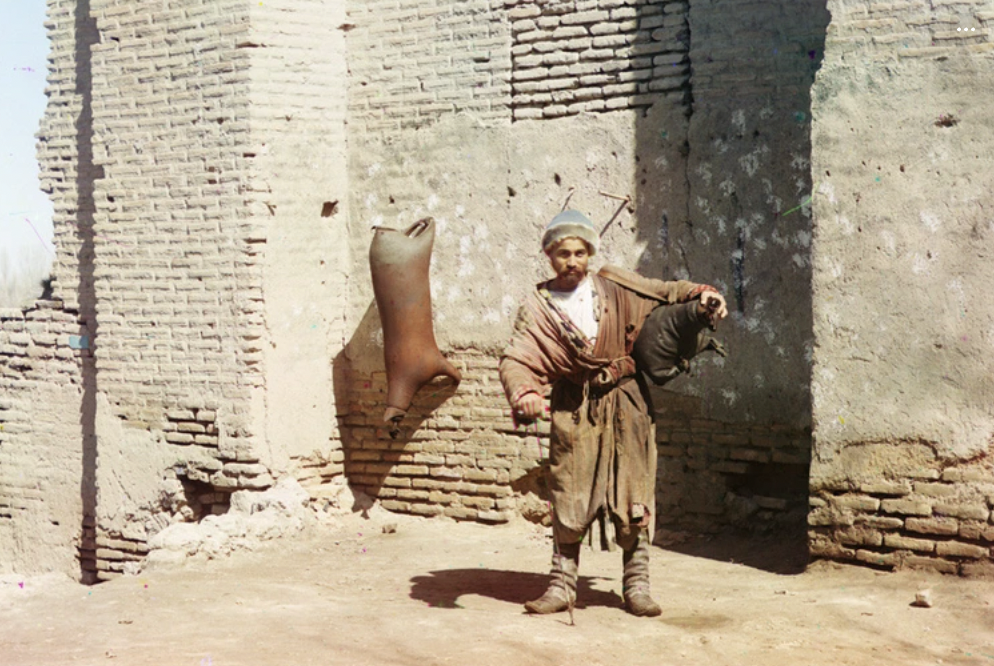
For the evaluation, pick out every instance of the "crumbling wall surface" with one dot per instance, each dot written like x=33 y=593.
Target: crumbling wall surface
x=46 y=446
x=903 y=419
x=735 y=440
x=177 y=283
x=297 y=187
x=599 y=101
x=492 y=162
x=748 y=171
x=41 y=453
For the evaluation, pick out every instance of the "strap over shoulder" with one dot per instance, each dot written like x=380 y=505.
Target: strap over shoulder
x=632 y=280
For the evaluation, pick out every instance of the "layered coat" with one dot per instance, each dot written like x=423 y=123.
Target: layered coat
x=602 y=455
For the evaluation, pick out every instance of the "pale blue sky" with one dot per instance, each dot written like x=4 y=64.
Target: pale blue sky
x=23 y=68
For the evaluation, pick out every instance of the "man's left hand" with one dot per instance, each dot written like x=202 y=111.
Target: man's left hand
x=706 y=303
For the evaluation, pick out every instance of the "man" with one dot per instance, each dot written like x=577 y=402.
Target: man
x=573 y=335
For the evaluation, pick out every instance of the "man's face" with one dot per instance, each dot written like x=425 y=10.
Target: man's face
x=569 y=260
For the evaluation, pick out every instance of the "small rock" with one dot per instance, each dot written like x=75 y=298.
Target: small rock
x=923 y=599
x=390 y=528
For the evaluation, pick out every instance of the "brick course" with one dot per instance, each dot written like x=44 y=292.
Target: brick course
x=414 y=60
x=948 y=535
x=571 y=56
x=41 y=442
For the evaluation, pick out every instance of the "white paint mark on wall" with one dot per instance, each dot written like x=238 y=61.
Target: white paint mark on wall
x=739 y=120
x=750 y=163
x=920 y=263
x=727 y=187
x=848 y=228
x=835 y=268
x=432 y=202
x=803 y=238
x=704 y=171
x=730 y=396
x=507 y=304
x=955 y=287
x=828 y=191
x=466 y=266
x=374 y=169
x=491 y=316
x=930 y=220
x=592 y=159
x=371 y=200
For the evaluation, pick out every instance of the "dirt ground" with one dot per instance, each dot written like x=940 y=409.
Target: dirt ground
x=438 y=592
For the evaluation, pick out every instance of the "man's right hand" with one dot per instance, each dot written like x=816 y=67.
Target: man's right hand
x=529 y=406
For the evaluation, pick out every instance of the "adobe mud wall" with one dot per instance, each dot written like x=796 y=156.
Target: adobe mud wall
x=196 y=163
x=489 y=116
x=216 y=169
x=42 y=517
x=903 y=377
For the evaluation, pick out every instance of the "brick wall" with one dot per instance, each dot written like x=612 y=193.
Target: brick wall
x=413 y=61
x=736 y=441
x=176 y=281
x=458 y=453
x=932 y=518
x=714 y=475
x=41 y=442
x=629 y=63
x=298 y=189
x=902 y=477
x=63 y=130
x=571 y=56
x=212 y=216
x=176 y=278
x=909 y=30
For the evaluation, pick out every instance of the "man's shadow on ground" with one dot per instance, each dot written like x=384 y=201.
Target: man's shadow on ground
x=442 y=589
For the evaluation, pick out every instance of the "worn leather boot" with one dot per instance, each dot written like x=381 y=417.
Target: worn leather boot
x=562 y=587
x=635 y=581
